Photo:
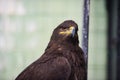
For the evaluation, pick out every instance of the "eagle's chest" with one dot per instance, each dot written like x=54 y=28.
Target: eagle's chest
x=76 y=63
x=73 y=58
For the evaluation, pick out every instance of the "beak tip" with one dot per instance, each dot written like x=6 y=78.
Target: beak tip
x=73 y=32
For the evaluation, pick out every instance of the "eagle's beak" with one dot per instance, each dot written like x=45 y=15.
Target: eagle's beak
x=72 y=30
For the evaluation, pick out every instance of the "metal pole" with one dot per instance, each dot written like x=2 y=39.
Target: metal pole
x=85 y=30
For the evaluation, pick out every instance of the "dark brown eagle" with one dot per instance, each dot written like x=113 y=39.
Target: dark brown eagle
x=63 y=58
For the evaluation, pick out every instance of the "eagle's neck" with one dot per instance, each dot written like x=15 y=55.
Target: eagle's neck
x=62 y=44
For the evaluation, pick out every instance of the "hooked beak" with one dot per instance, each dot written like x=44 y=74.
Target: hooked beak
x=72 y=30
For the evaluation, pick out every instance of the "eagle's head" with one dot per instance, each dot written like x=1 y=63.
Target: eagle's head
x=68 y=28
x=66 y=32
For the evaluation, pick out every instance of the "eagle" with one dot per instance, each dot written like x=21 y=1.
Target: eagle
x=63 y=59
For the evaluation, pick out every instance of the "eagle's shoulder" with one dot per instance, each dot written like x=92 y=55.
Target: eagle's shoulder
x=57 y=68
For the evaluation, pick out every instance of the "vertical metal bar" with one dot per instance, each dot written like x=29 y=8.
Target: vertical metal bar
x=118 y=43
x=112 y=6
x=114 y=39
x=85 y=29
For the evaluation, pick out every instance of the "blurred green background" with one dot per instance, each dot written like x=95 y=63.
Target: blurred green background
x=26 y=27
